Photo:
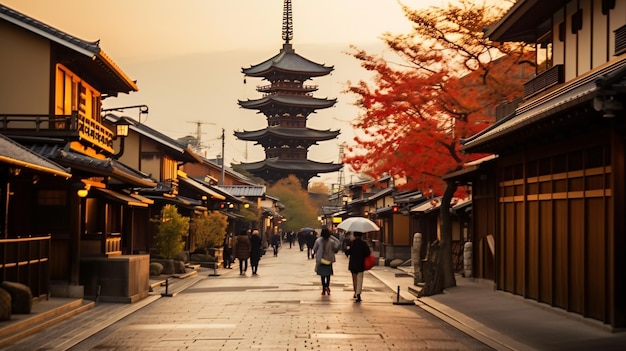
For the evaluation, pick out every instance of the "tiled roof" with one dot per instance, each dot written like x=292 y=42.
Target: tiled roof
x=172 y=148
x=301 y=133
x=288 y=61
x=111 y=79
x=288 y=100
x=579 y=91
x=230 y=197
x=15 y=154
x=29 y=23
x=104 y=167
x=201 y=188
x=244 y=190
x=295 y=165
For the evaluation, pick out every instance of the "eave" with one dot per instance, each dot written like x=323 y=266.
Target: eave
x=521 y=22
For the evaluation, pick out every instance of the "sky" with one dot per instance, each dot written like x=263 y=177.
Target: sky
x=187 y=56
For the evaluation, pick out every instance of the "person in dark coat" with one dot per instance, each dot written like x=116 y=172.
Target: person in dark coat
x=357 y=250
x=275 y=243
x=310 y=241
x=256 y=244
x=241 y=250
x=228 y=250
x=301 y=239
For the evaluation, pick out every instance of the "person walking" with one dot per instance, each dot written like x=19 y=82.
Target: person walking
x=324 y=250
x=357 y=250
x=256 y=244
x=275 y=243
x=301 y=239
x=228 y=250
x=311 y=236
x=241 y=249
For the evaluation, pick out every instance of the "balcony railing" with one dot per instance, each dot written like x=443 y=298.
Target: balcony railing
x=286 y=86
x=74 y=126
x=26 y=261
x=543 y=81
x=620 y=40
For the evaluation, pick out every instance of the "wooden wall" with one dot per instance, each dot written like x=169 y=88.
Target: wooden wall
x=554 y=238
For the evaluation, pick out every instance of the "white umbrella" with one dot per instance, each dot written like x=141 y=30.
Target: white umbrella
x=358 y=224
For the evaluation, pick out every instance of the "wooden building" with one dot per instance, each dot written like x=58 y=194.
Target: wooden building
x=50 y=102
x=556 y=190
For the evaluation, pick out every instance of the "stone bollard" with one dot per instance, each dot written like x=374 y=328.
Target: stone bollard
x=467 y=259
x=416 y=259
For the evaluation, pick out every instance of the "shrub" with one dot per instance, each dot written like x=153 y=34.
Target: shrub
x=21 y=297
x=5 y=305
x=155 y=268
x=209 y=230
x=173 y=228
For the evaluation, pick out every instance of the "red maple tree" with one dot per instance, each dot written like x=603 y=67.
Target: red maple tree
x=443 y=85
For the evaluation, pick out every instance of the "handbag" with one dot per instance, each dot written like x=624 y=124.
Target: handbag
x=369 y=262
x=326 y=254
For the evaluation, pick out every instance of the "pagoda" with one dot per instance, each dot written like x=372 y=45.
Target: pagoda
x=287 y=103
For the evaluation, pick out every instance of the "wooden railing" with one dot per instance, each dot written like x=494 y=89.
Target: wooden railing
x=75 y=125
x=113 y=245
x=27 y=261
x=545 y=80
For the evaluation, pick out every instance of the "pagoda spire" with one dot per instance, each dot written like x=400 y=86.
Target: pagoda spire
x=287 y=22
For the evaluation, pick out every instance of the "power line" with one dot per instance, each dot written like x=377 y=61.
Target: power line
x=199 y=133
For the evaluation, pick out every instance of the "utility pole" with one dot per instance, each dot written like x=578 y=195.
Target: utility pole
x=223 y=158
x=199 y=133
x=341 y=180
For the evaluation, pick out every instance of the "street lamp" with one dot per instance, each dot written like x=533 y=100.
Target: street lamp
x=143 y=110
x=122 y=129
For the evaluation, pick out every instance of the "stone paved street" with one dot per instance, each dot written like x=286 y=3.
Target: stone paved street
x=280 y=309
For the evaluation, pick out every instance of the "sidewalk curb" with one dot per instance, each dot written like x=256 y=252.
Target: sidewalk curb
x=469 y=326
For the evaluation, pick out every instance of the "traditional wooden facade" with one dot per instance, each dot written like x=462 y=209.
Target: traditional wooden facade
x=287 y=103
x=50 y=102
x=557 y=187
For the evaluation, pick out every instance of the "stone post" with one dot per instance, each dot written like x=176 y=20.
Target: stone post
x=467 y=259
x=416 y=258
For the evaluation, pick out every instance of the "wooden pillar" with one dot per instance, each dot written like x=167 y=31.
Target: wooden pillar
x=616 y=242
x=76 y=225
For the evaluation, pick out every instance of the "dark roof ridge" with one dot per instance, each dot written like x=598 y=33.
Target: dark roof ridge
x=35 y=25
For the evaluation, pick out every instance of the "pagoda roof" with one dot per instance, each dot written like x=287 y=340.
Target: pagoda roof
x=297 y=166
x=301 y=133
x=288 y=100
x=288 y=61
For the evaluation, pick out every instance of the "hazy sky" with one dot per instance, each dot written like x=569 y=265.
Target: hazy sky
x=187 y=57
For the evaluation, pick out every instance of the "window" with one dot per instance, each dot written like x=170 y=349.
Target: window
x=74 y=94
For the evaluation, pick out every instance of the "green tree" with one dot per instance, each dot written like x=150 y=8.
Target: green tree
x=209 y=229
x=172 y=230
x=443 y=85
x=299 y=210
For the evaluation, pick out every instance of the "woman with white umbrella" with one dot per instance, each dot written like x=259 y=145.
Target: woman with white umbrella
x=357 y=249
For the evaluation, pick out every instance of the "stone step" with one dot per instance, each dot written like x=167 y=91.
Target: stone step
x=43 y=315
